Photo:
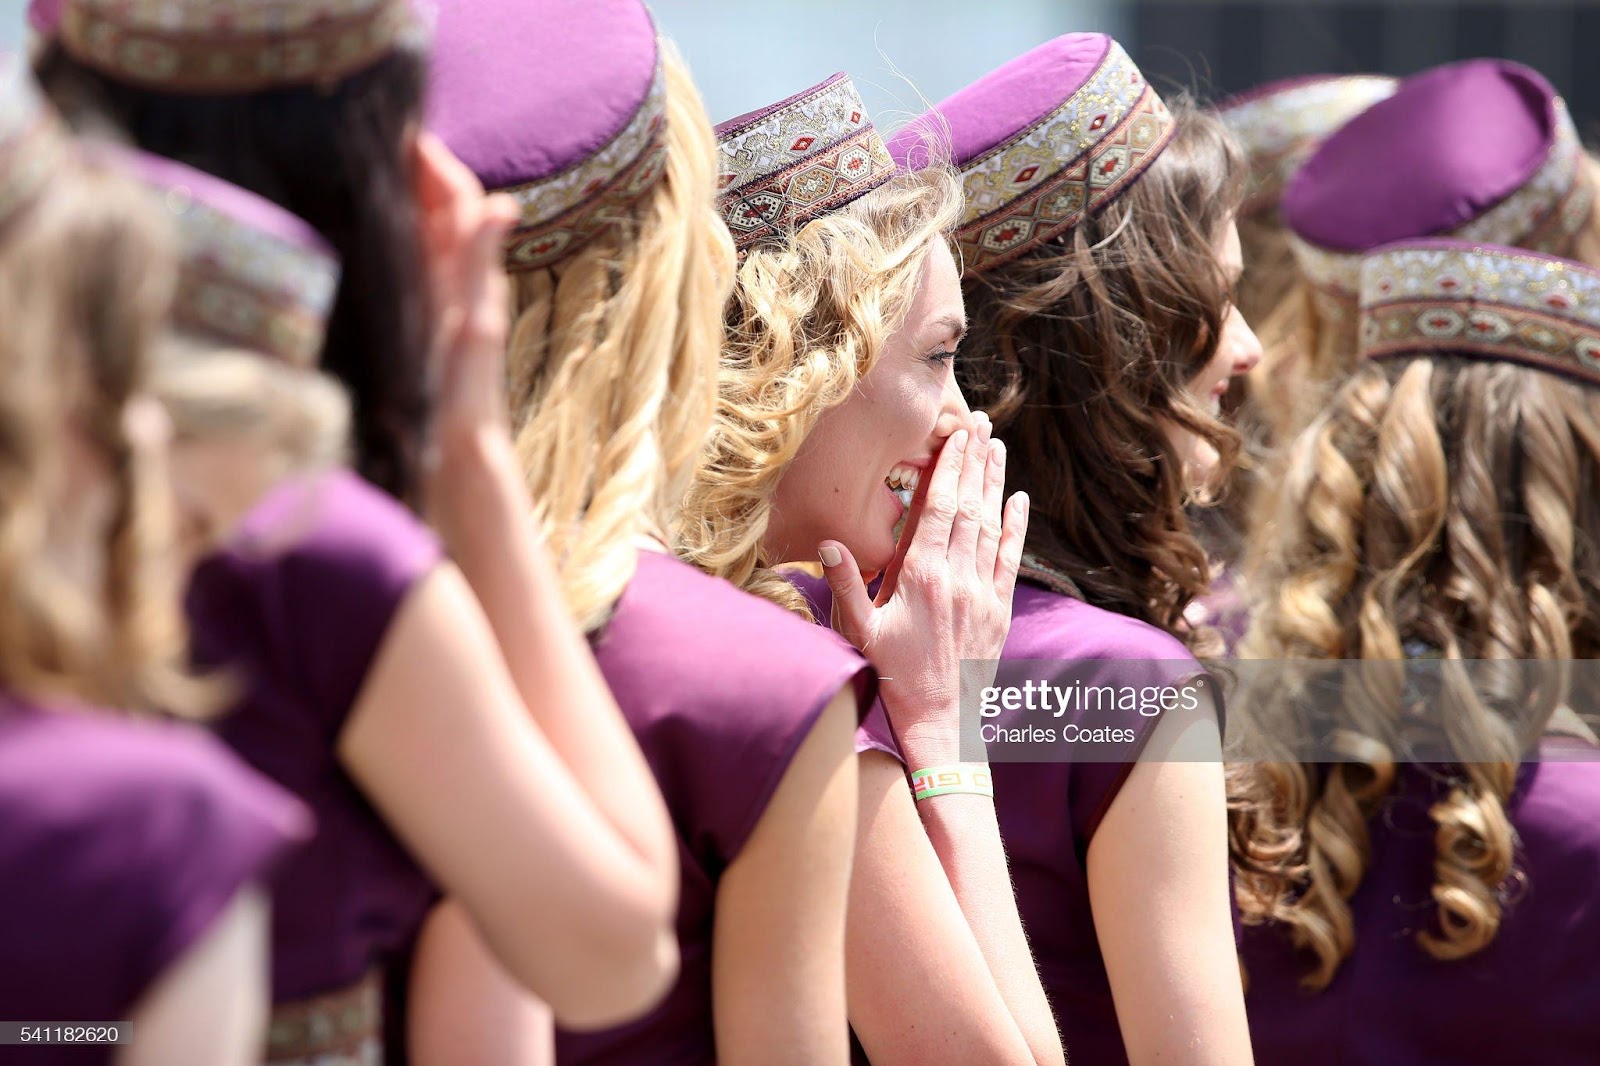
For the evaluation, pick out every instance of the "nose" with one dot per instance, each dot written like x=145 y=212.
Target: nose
x=1243 y=345
x=954 y=413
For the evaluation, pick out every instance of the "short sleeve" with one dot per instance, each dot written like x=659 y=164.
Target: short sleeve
x=126 y=842
x=328 y=561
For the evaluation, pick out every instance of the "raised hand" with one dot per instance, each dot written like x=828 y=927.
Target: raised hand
x=945 y=598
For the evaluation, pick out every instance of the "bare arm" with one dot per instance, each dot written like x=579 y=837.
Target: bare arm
x=442 y=744
x=1158 y=884
x=778 y=953
x=464 y=1009
x=210 y=1008
x=922 y=988
x=484 y=518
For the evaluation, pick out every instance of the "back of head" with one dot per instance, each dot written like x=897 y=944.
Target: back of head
x=823 y=282
x=317 y=120
x=1442 y=504
x=1481 y=150
x=1095 y=293
x=619 y=267
x=85 y=283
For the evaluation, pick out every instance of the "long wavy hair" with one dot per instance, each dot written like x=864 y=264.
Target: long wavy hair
x=809 y=317
x=1081 y=351
x=613 y=366
x=1441 y=501
x=338 y=156
x=86 y=280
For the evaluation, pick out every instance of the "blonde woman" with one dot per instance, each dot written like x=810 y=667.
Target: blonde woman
x=620 y=269
x=1440 y=509
x=134 y=851
x=838 y=412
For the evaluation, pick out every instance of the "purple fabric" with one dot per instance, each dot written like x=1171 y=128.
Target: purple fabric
x=1004 y=102
x=876 y=733
x=1049 y=854
x=750 y=118
x=298 y=606
x=124 y=842
x=1529 y=996
x=524 y=89
x=253 y=211
x=721 y=689
x=1448 y=145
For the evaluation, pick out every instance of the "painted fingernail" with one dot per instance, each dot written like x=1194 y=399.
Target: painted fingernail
x=829 y=555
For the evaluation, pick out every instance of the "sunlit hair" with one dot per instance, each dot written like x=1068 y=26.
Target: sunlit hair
x=1441 y=501
x=809 y=317
x=297 y=419
x=86 y=276
x=1081 y=351
x=1308 y=350
x=613 y=365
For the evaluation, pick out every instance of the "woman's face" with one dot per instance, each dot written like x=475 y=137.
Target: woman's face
x=1237 y=353
x=842 y=484
x=215 y=482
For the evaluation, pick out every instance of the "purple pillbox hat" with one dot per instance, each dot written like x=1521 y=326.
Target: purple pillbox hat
x=1443 y=297
x=1482 y=150
x=33 y=142
x=234 y=46
x=1282 y=122
x=251 y=273
x=796 y=160
x=1042 y=143
x=559 y=103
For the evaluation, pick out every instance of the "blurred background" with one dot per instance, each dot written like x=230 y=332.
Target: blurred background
x=748 y=53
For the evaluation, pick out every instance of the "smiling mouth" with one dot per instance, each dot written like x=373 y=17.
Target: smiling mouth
x=902 y=481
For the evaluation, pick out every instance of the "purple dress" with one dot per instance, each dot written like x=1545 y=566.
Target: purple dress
x=721 y=689
x=1531 y=996
x=297 y=606
x=1048 y=854
x=123 y=842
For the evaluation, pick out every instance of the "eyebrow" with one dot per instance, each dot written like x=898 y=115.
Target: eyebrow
x=955 y=325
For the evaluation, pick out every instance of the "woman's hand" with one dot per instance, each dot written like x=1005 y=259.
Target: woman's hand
x=462 y=234
x=945 y=598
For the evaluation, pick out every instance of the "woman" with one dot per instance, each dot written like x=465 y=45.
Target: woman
x=1279 y=125
x=1441 y=508
x=745 y=713
x=365 y=656
x=837 y=404
x=1479 y=150
x=1101 y=254
x=134 y=851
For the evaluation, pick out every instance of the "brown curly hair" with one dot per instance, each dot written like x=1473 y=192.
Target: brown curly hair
x=1081 y=351
x=1436 y=500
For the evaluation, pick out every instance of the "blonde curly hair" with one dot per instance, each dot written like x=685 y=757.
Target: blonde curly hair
x=86 y=280
x=808 y=319
x=613 y=363
x=1436 y=500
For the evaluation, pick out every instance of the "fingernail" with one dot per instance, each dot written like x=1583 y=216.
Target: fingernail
x=958 y=439
x=1022 y=504
x=980 y=418
x=997 y=451
x=829 y=555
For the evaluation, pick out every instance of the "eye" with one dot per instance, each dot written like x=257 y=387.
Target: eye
x=941 y=357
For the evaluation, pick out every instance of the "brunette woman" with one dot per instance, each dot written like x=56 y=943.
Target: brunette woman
x=1101 y=253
